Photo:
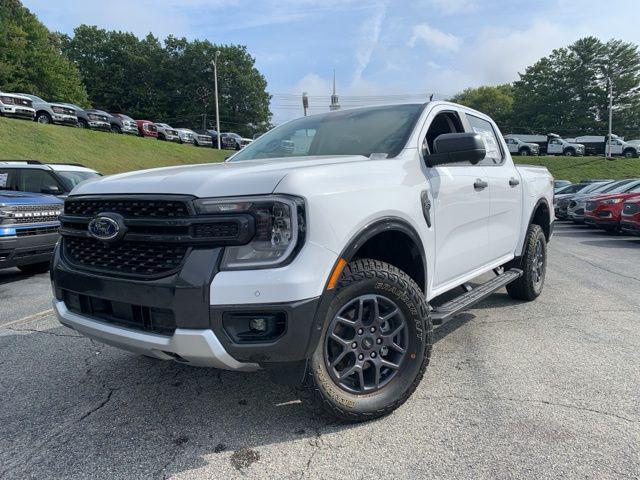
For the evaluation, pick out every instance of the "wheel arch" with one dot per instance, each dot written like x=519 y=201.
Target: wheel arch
x=392 y=240
x=541 y=215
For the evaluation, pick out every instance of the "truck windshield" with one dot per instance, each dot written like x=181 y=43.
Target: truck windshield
x=71 y=179
x=364 y=131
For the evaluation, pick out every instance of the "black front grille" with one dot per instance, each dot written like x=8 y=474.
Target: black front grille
x=138 y=317
x=590 y=206
x=28 y=232
x=631 y=209
x=219 y=230
x=144 y=259
x=128 y=208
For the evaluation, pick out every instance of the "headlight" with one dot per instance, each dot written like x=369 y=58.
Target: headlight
x=610 y=201
x=279 y=226
x=57 y=109
x=8 y=100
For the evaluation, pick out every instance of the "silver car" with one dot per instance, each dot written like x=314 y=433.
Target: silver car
x=48 y=112
x=17 y=106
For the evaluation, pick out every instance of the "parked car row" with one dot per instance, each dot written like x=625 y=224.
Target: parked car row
x=32 y=107
x=612 y=205
x=31 y=199
x=553 y=144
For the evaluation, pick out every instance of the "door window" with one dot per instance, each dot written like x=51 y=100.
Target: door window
x=485 y=130
x=38 y=181
x=444 y=122
x=8 y=179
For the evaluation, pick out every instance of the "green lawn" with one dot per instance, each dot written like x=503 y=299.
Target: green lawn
x=110 y=153
x=105 y=152
x=580 y=168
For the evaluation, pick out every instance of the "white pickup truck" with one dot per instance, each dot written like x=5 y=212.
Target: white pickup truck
x=322 y=263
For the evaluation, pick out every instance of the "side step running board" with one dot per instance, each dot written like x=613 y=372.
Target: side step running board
x=450 y=309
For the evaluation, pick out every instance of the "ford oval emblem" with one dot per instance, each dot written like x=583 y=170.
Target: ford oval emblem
x=105 y=228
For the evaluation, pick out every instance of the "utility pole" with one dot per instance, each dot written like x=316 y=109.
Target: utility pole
x=610 y=117
x=215 y=80
x=305 y=102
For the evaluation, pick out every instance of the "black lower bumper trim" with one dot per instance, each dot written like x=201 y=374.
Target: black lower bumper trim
x=293 y=345
x=28 y=250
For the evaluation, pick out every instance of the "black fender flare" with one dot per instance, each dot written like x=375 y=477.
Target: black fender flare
x=386 y=224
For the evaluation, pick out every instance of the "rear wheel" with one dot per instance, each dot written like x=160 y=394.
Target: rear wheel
x=533 y=264
x=35 y=268
x=375 y=345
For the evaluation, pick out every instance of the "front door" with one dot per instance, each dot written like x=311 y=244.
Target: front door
x=460 y=205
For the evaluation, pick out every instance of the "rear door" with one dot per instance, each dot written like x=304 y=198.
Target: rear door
x=505 y=190
x=460 y=206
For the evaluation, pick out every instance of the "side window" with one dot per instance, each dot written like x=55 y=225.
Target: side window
x=444 y=122
x=8 y=179
x=38 y=181
x=485 y=129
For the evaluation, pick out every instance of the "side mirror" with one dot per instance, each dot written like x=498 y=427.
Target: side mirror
x=51 y=190
x=457 y=147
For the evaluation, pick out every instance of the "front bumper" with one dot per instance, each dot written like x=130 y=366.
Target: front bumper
x=630 y=227
x=105 y=126
x=64 y=119
x=17 y=251
x=124 y=312
x=198 y=347
x=18 y=112
x=133 y=130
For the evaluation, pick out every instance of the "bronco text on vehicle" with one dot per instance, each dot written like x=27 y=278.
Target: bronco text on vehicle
x=316 y=253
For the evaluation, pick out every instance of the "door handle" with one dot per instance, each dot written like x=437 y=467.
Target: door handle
x=480 y=184
x=514 y=182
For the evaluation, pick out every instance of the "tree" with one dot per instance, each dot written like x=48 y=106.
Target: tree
x=497 y=102
x=31 y=60
x=568 y=90
x=171 y=82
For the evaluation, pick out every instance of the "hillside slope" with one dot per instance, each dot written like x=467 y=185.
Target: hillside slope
x=576 y=169
x=105 y=152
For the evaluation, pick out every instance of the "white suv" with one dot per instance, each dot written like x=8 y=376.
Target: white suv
x=317 y=253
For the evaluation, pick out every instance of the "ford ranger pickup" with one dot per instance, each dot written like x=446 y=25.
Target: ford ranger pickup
x=319 y=253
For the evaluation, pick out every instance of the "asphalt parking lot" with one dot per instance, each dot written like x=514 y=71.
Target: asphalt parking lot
x=515 y=390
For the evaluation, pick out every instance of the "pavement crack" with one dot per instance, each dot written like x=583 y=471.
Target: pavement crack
x=99 y=406
x=600 y=267
x=45 y=332
x=535 y=401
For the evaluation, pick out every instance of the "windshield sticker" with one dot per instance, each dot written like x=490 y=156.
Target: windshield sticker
x=4 y=177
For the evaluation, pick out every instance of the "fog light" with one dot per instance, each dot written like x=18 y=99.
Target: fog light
x=258 y=325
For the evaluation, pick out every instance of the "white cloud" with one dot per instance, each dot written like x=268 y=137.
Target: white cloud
x=435 y=38
x=450 y=7
x=369 y=36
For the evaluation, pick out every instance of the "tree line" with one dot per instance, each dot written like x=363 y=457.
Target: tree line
x=567 y=92
x=169 y=81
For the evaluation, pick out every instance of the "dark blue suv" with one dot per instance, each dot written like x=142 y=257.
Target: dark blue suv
x=28 y=230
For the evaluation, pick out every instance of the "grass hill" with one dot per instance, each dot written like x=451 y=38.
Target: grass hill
x=109 y=153
x=106 y=152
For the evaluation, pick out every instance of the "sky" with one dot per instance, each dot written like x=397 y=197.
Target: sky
x=381 y=50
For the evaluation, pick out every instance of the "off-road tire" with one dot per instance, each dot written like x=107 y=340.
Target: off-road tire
x=363 y=277
x=525 y=288
x=34 y=268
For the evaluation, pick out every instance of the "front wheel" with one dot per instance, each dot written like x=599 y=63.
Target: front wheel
x=116 y=129
x=375 y=345
x=82 y=123
x=43 y=118
x=533 y=264
x=569 y=153
x=524 y=152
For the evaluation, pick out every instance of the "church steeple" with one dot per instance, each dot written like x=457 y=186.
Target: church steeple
x=335 y=104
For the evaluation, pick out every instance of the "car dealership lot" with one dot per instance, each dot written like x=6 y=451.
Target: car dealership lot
x=536 y=390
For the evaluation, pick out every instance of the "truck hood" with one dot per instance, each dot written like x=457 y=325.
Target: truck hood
x=607 y=196
x=209 y=180
x=12 y=197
